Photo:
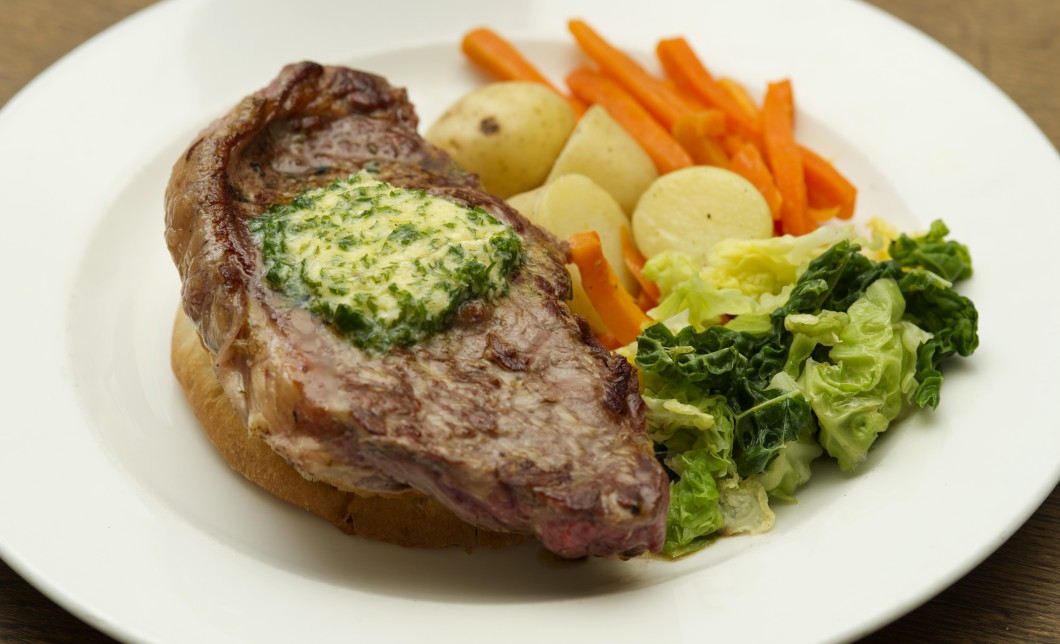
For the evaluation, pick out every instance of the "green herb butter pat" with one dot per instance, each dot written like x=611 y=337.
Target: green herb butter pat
x=387 y=266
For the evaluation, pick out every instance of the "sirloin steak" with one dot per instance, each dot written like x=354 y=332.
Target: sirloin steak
x=515 y=417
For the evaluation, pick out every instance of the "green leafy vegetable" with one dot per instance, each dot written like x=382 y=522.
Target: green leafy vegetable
x=948 y=259
x=694 y=514
x=868 y=376
x=820 y=357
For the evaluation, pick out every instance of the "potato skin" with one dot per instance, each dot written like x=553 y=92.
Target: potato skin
x=602 y=150
x=508 y=133
x=692 y=209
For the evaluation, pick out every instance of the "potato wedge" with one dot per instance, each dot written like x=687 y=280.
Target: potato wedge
x=572 y=204
x=508 y=133
x=525 y=202
x=602 y=150
x=692 y=209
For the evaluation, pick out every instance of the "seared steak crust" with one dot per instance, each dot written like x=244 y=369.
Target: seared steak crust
x=515 y=418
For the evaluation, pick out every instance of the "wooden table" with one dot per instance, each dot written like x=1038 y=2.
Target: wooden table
x=1014 y=596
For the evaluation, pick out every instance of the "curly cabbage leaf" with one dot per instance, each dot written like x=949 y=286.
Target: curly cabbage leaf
x=681 y=420
x=765 y=268
x=668 y=269
x=933 y=252
x=791 y=467
x=744 y=506
x=704 y=304
x=868 y=376
x=950 y=318
x=694 y=516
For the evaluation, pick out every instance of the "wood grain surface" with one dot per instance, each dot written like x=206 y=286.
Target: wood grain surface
x=1013 y=596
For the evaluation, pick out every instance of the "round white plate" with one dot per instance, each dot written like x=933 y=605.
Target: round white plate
x=114 y=503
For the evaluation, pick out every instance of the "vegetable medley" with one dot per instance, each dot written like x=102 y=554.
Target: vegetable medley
x=764 y=338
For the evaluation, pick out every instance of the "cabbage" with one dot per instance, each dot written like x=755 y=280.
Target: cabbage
x=791 y=467
x=763 y=268
x=694 y=515
x=826 y=348
x=704 y=304
x=931 y=251
x=668 y=269
x=744 y=506
x=704 y=423
x=869 y=374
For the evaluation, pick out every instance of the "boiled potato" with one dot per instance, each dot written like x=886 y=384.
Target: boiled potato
x=509 y=134
x=525 y=202
x=692 y=209
x=602 y=150
x=572 y=204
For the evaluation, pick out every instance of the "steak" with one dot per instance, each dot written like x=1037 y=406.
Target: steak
x=515 y=417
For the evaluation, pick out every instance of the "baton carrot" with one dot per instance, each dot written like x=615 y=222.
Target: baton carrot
x=615 y=305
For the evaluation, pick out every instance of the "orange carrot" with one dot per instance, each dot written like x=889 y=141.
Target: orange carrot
x=664 y=105
x=686 y=96
x=703 y=148
x=826 y=187
x=634 y=261
x=697 y=133
x=498 y=57
x=592 y=87
x=749 y=164
x=708 y=122
x=822 y=214
x=785 y=158
x=645 y=302
x=609 y=341
x=740 y=95
x=615 y=305
x=732 y=143
x=682 y=65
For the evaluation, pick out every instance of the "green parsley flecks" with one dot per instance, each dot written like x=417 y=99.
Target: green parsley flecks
x=385 y=265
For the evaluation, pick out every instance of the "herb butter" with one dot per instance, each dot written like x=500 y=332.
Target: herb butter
x=387 y=266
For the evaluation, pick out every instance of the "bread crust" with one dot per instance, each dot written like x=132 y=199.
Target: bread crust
x=409 y=519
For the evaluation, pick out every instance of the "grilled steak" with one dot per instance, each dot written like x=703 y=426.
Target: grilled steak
x=515 y=417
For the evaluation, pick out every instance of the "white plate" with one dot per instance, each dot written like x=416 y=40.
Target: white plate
x=116 y=506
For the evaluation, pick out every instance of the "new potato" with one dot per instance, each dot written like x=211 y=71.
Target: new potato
x=692 y=209
x=572 y=204
x=507 y=133
x=575 y=204
x=602 y=150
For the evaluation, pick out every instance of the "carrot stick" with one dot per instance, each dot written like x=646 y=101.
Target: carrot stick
x=645 y=302
x=826 y=186
x=784 y=156
x=822 y=214
x=732 y=143
x=703 y=148
x=682 y=65
x=609 y=341
x=697 y=133
x=686 y=96
x=634 y=261
x=592 y=87
x=740 y=95
x=708 y=122
x=498 y=57
x=749 y=164
x=663 y=104
x=614 y=304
